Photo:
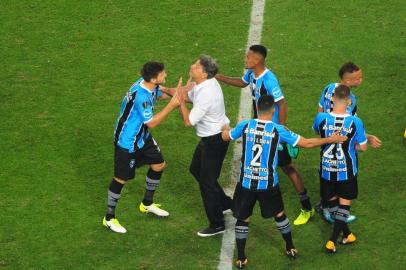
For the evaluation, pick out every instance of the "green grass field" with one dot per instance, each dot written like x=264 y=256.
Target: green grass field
x=65 y=66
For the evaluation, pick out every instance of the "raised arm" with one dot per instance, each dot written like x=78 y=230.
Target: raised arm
x=233 y=81
x=159 y=117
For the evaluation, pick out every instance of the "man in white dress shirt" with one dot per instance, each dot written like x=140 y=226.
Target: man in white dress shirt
x=208 y=117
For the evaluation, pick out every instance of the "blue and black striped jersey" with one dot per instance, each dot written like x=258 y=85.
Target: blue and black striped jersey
x=338 y=162
x=137 y=109
x=265 y=84
x=326 y=101
x=260 y=140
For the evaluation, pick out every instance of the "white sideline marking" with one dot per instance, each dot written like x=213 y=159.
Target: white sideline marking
x=254 y=37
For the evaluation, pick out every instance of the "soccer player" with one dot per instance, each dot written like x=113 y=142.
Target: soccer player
x=208 y=117
x=351 y=76
x=339 y=163
x=134 y=145
x=263 y=82
x=258 y=179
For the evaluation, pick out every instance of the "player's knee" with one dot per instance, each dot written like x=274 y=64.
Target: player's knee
x=280 y=214
x=158 y=167
x=247 y=220
x=121 y=181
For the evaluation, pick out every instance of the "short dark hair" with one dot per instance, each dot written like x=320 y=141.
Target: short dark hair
x=259 y=49
x=348 y=67
x=342 y=92
x=209 y=65
x=265 y=104
x=151 y=70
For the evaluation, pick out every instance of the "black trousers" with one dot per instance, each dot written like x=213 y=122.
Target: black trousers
x=206 y=167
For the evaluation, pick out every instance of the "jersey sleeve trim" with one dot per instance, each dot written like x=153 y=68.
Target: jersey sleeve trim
x=297 y=140
x=279 y=98
x=364 y=142
x=229 y=134
x=149 y=120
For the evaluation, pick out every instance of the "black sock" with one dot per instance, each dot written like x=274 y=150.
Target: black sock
x=346 y=229
x=305 y=200
x=152 y=182
x=323 y=204
x=241 y=234
x=340 y=221
x=113 y=195
x=283 y=225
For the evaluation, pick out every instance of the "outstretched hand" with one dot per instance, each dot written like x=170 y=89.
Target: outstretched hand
x=374 y=141
x=177 y=99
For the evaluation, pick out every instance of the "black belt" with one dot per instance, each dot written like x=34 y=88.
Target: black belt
x=208 y=138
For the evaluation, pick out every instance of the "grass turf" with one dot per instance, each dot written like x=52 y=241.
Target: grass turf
x=65 y=67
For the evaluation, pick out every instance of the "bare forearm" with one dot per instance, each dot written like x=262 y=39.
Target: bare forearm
x=283 y=112
x=234 y=81
x=313 y=142
x=184 y=111
x=169 y=91
x=159 y=117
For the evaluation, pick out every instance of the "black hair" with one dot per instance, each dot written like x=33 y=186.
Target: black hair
x=209 y=65
x=265 y=104
x=259 y=49
x=342 y=92
x=151 y=70
x=348 y=67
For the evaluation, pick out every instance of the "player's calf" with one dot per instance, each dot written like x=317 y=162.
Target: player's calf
x=283 y=225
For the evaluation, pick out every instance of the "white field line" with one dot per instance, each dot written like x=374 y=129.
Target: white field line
x=254 y=37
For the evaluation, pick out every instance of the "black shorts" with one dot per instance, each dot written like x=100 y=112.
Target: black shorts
x=284 y=158
x=344 y=189
x=270 y=202
x=125 y=162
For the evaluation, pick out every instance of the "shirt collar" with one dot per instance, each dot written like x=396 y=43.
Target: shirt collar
x=265 y=121
x=262 y=74
x=339 y=115
x=203 y=84
x=142 y=85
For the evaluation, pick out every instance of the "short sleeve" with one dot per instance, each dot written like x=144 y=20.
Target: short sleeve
x=144 y=108
x=321 y=101
x=288 y=136
x=236 y=132
x=246 y=77
x=273 y=88
x=360 y=135
x=316 y=123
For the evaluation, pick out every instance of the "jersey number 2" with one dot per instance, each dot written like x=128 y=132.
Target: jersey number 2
x=257 y=149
